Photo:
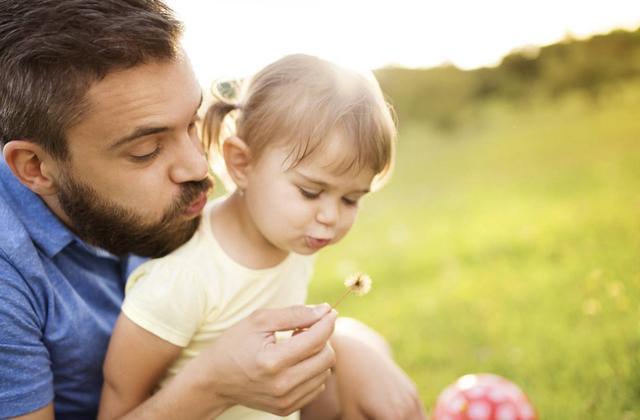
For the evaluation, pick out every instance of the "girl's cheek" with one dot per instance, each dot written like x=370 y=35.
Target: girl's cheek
x=348 y=224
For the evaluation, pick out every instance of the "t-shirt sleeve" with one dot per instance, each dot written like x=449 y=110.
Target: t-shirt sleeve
x=26 y=379
x=168 y=298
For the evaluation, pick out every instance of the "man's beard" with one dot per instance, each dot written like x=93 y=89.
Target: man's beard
x=105 y=224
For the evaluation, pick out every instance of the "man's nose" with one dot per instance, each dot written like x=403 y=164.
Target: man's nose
x=190 y=163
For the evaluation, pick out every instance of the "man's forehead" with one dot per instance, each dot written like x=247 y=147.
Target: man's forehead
x=153 y=94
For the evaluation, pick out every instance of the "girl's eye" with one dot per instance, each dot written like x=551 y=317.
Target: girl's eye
x=309 y=194
x=147 y=157
x=350 y=202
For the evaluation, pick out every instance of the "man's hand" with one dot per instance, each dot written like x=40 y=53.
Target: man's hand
x=370 y=384
x=248 y=366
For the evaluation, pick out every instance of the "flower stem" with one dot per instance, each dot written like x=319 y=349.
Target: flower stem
x=344 y=295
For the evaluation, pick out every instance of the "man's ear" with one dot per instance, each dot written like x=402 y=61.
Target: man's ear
x=237 y=157
x=33 y=167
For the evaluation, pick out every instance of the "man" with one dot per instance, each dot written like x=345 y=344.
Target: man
x=101 y=161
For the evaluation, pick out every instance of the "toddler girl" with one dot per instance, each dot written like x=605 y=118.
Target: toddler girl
x=311 y=139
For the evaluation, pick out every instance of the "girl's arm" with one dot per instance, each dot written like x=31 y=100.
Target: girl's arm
x=136 y=361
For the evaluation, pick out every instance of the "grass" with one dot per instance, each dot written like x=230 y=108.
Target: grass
x=511 y=246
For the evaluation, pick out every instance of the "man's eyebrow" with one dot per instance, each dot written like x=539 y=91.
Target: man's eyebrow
x=136 y=134
x=147 y=131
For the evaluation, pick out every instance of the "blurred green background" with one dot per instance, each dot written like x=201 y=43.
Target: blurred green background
x=508 y=239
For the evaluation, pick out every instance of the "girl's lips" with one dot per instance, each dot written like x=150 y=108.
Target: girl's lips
x=316 y=243
x=197 y=205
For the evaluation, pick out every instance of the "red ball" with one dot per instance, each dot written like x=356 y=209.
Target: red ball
x=483 y=397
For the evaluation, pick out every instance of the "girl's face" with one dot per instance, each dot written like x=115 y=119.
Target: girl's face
x=309 y=206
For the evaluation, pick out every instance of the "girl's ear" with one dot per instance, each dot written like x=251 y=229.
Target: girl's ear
x=33 y=167
x=237 y=158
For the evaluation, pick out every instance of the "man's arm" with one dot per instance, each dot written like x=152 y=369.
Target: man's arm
x=26 y=380
x=247 y=366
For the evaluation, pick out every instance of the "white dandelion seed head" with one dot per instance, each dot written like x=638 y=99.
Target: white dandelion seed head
x=359 y=283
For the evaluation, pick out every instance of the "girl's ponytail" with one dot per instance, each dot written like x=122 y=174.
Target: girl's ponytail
x=212 y=124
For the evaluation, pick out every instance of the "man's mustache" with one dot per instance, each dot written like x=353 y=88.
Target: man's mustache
x=190 y=191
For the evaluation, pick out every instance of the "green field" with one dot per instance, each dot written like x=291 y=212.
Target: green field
x=512 y=246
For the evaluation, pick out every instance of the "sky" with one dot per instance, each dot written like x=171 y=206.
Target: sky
x=234 y=38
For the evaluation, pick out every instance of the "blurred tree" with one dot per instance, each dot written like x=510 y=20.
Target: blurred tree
x=445 y=96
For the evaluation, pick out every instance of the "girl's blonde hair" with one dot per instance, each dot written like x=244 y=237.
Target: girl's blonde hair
x=301 y=100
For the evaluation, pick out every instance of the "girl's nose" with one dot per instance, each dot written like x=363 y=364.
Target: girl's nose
x=328 y=212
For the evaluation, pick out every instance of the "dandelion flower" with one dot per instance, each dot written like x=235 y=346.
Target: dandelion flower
x=358 y=283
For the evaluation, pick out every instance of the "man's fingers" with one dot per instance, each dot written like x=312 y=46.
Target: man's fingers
x=307 y=398
x=291 y=318
x=307 y=343
x=278 y=397
x=304 y=393
x=315 y=365
x=285 y=354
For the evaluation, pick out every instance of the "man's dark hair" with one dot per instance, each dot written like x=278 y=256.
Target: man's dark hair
x=51 y=51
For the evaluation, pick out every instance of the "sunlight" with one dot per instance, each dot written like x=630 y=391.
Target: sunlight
x=232 y=38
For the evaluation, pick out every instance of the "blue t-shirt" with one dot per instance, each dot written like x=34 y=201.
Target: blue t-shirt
x=59 y=299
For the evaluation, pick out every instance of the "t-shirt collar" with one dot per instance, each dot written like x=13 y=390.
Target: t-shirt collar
x=44 y=227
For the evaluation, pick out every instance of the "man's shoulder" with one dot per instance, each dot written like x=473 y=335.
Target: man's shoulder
x=22 y=275
x=21 y=292
x=18 y=255
x=28 y=227
x=14 y=239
